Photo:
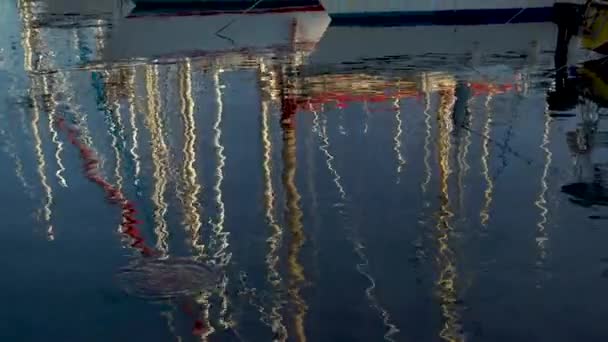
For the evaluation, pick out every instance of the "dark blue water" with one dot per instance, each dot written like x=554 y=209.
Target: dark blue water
x=341 y=184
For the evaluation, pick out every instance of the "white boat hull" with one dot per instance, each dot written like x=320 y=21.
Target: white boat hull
x=436 y=48
x=251 y=34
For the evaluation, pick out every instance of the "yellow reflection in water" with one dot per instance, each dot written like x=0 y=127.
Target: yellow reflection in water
x=29 y=37
x=268 y=80
x=276 y=237
x=296 y=229
x=190 y=185
x=159 y=158
x=41 y=167
x=485 y=168
x=463 y=145
x=189 y=195
x=463 y=165
x=311 y=168
x=29 y=34
x=488 y=193
x=451 y=330
x=427 y=141
x=116 y=129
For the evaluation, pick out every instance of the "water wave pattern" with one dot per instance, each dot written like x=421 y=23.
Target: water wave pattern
x=129 y=223
x=114 y=195
x=354 y=238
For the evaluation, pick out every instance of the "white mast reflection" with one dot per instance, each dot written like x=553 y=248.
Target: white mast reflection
x=487 y=131
x=159 y=158
x=542 y=236
x=451 y=330
x=427 y=136
x=52 y=114
x=220 y=237
x=276 y=237
x=131 y=97
x=28 y=42
x=358 y=246
x=397 y=137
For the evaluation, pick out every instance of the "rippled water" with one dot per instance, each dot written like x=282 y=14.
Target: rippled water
x=343 y=183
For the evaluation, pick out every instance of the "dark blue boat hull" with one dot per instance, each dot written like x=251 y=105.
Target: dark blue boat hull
x=221 y=5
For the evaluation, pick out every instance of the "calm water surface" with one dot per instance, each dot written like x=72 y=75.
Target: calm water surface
x=302 y=183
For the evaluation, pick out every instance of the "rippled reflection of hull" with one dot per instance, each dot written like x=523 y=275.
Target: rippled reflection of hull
x=77 y=6
x=158 y=37
x=85 y=8
x=223 y=5
x=166 y=278
x=434 y=47
x=437 y=12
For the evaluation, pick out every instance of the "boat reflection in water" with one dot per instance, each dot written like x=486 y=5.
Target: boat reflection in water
x=590 y=138
x=222 y=36
x=346 y=183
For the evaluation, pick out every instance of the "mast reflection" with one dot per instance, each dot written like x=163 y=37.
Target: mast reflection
x=294 y=222
x=29 y=42
x=358 y=246
x=115 y=125
x=189 y=178
x=131 y=99
x=48 y=191
x=452 y=329
x=427 y=136
x=541 y=202
x=462 y=121
x=487 y=131
x=51 y=108
x=159 y=158
x=275 y=239
x=397 y=137
x=221 y=253
x=220 y=236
